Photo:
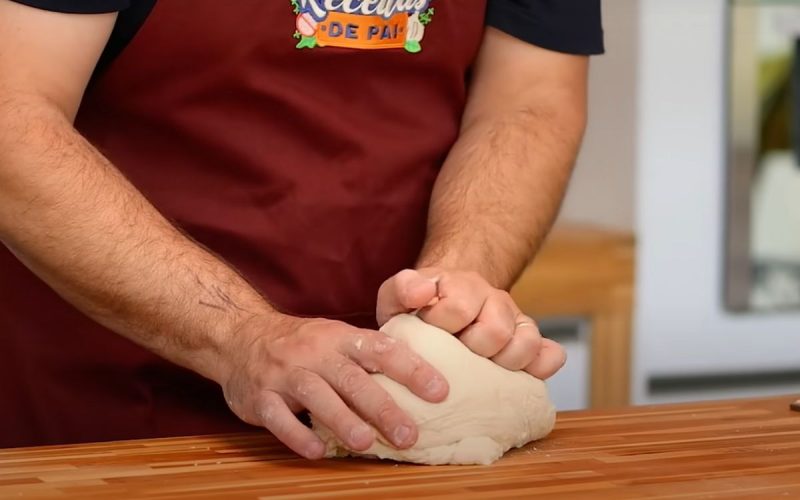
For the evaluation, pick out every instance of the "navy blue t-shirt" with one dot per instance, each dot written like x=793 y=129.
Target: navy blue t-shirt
x=569 y=26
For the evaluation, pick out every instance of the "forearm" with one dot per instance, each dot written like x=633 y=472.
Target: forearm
x=74 y=220
x=500 y=190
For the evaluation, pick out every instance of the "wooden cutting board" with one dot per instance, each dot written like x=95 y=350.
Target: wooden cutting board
x=745 y=449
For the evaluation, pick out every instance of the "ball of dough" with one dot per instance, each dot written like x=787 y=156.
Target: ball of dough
x=488 y=411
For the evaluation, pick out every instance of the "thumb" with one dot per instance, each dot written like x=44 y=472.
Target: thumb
x=404 y=292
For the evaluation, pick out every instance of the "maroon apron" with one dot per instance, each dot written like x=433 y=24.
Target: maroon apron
x=300 y=146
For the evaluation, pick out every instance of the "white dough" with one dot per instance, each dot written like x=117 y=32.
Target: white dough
x=488 y=411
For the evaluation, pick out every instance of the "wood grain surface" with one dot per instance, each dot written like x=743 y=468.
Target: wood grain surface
x=734 y=449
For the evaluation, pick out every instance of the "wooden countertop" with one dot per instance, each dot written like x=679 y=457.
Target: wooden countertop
x=748 y=448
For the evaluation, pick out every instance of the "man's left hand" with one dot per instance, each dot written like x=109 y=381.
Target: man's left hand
x=485 y=318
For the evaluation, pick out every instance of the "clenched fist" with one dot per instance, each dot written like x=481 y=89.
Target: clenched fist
x=485 y=318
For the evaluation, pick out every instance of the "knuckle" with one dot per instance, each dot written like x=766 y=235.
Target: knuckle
x=406 y=274
x=535 y=340
x=301 y=348
x=384 y=345
x=351 y=380
x=459 y=309
x=530 y=344
x=385 y=410
x=268 y=411
x=342 y=418
x=403 y=295
x=301 y=382
x=401 y=279
x=402 y=353
x=371 y=366
x=417 y=370
x=497 y=334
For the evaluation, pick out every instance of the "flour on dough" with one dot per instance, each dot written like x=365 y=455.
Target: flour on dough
x=488 y=411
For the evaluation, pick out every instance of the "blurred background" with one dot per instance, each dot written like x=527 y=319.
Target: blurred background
x=673 y=273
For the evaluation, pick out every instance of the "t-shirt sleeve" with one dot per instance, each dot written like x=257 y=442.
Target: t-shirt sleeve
x=570 y=26
x=78 y=6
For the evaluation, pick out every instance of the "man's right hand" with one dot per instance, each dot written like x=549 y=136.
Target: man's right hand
x=147 y=281
x=280 y=365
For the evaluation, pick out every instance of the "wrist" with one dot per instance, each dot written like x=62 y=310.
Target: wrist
x=437 y=255
x=239 y=338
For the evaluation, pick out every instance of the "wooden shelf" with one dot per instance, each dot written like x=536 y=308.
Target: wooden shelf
x=588 y=272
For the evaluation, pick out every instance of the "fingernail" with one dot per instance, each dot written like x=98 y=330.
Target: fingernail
x=435 y=386
x=401 y=435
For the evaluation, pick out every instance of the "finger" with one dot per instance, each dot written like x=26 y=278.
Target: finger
x=523 y=348
x=377 y=352
x=461 y=298
x=310 y=390
x=552 y=358
x=274 y=414
x=406 y=291
x=494 y=328
x=371 y=401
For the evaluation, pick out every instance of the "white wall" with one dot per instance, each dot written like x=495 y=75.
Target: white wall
x=681 y=326
x=602 y=188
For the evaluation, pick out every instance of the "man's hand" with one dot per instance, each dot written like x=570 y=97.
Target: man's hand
x=147 y=281
x=495 y=199
x=284 y=364
x=486 y=319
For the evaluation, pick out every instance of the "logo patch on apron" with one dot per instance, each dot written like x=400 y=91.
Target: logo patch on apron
x=362 y=24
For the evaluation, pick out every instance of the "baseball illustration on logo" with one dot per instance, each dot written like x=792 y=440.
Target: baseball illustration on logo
x=387 y=24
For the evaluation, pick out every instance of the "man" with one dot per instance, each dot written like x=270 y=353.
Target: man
x=233 y=205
